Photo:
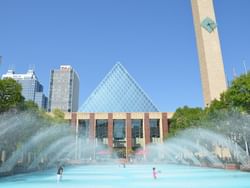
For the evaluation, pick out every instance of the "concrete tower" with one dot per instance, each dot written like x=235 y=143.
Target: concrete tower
x=208 y=45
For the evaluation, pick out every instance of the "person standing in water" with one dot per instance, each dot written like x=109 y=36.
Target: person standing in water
x=59 y=173
x=154 y=173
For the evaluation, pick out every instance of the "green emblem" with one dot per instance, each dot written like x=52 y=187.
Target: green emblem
x=208 y=24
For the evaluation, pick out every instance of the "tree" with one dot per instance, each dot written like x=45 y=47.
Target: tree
x=28 y=106
x=184 y=118
x=10 y=94
x=218 y=104
x=58 y=115
x=238 y=95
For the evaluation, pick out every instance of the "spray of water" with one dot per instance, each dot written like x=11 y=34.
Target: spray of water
x=30 y=143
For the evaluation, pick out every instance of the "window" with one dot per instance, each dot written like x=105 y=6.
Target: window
x=101 y=128
x=119 y=129
x=137 y=128
x=83 y=128
x=154 y=128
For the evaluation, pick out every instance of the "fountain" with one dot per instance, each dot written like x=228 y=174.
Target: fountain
x=26 y=142
x=31 y=148
x=222 y=144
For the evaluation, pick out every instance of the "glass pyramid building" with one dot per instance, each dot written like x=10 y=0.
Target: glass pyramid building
x=118 y=92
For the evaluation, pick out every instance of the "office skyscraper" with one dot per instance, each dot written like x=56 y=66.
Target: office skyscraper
x=64 y=89
x=31 y=87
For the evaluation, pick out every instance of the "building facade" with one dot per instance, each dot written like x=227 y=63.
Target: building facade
x=64 y=89
x=31 y=87
x=123 y=133
x=119 y=116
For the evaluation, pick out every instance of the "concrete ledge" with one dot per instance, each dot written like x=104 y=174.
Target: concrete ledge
x=245 y=168
x=232 y=166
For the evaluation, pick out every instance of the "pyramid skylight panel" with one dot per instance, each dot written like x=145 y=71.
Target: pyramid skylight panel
x=118 y=92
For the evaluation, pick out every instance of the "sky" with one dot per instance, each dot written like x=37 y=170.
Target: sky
x=153 y=39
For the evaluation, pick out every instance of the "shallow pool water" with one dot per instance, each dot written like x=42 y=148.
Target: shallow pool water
x=133 y=176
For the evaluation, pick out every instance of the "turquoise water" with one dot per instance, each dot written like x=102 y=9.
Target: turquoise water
x=133 y=176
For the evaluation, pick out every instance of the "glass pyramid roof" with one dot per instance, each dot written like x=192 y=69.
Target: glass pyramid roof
x=118 y=92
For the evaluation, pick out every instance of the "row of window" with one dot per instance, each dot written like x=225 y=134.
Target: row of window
x=119 y=128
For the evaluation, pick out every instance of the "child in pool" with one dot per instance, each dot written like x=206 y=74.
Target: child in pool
x=154 y=173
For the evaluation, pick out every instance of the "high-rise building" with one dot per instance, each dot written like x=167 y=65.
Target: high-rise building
x=211 y=64
x=31 y=87
x=64 y=89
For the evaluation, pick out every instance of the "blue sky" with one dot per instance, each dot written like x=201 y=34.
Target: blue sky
x=154 y=40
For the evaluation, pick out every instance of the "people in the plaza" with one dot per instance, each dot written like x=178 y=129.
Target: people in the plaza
x=59 y=173
x=154 y=173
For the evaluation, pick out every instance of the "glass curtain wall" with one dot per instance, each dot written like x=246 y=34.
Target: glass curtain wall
x=154 y=130
x=119 y=137
x=137 y=133
x=119 y=129
x=101 y=132
x=83 y=128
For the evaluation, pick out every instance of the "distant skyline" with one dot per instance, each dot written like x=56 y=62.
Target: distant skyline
x=153 y=40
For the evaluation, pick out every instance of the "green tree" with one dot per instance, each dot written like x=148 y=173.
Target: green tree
x=218 y=104
x=237 y=96
x=10 y=94
x=184 y=118
x=58 y=115
x=28 y=106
